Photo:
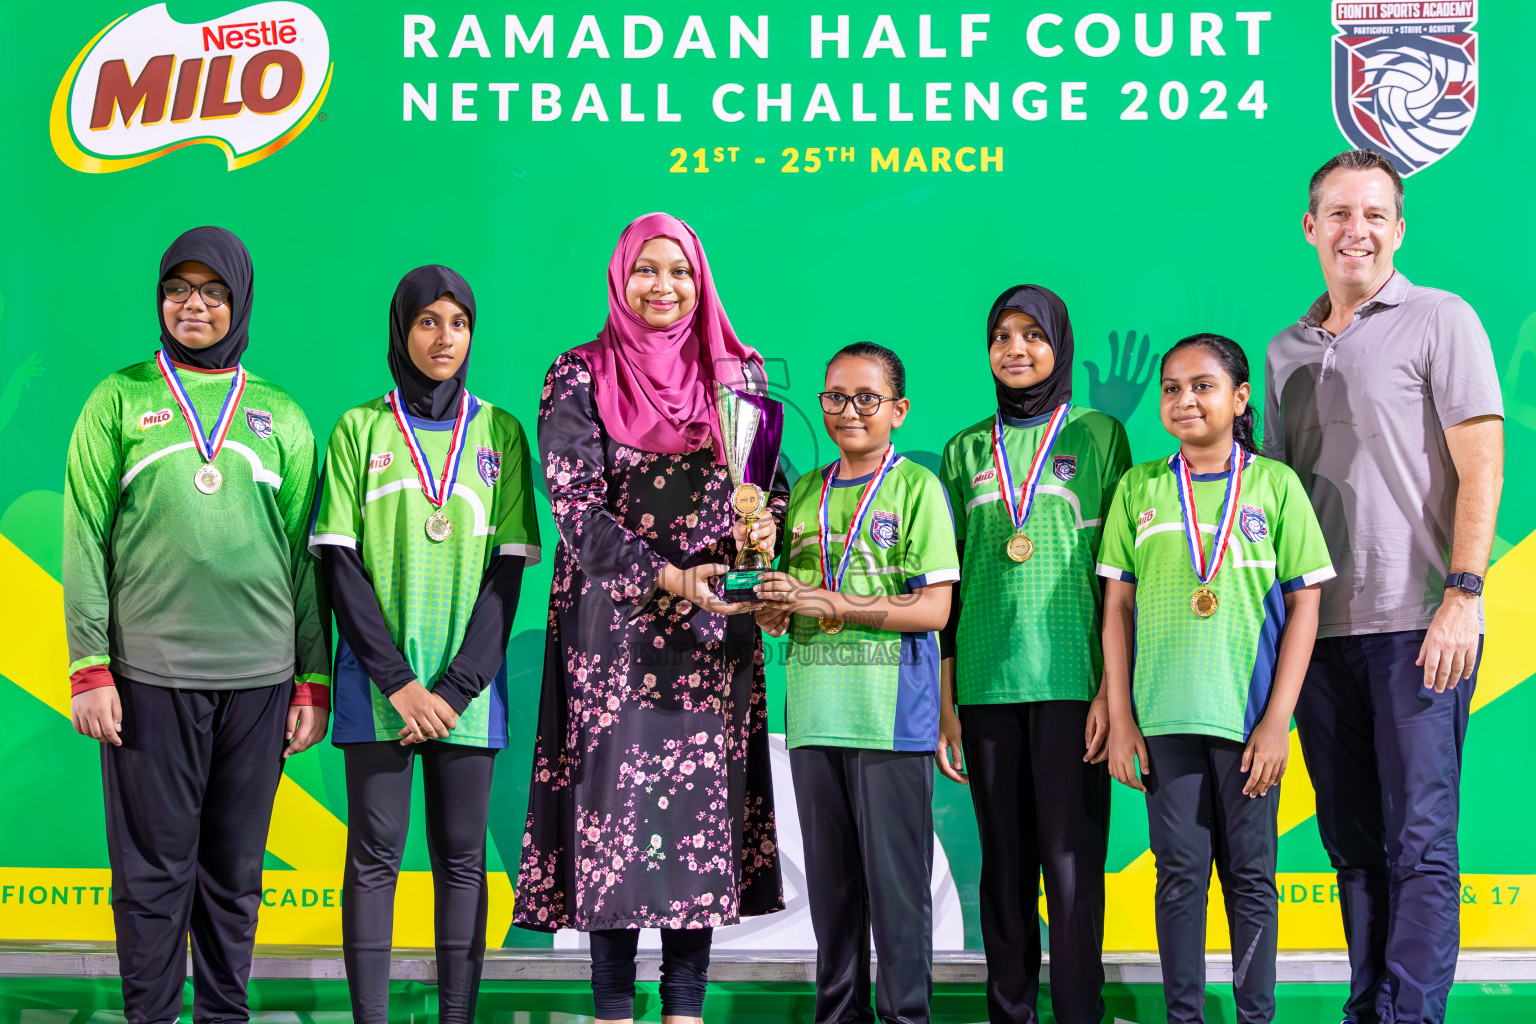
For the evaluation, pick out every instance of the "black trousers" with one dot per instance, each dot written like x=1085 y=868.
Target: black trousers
x=1384 y=754
x=866 y=817
x=1039 y=808
x=684 y=971
x=189 y=799
x=1197 y=813
x=457 y=786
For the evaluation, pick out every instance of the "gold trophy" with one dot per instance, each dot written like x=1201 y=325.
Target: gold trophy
x=752 y=560
x=738 y=425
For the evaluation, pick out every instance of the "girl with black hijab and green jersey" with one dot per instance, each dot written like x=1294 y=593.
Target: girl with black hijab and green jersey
x=1022 y=664
x=424 y=589
x=199 y=655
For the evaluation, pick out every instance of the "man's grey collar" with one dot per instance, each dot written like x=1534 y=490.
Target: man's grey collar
x=1393 y=293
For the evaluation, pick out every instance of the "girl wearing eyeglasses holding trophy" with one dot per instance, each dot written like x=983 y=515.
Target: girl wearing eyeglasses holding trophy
x=199 y=657
x=866 y=574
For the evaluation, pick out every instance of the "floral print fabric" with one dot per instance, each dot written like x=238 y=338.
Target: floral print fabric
x=651 y=803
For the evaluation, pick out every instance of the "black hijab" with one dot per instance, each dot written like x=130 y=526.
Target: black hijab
x=225 y=255
x=1051 y=314
x=426 y=398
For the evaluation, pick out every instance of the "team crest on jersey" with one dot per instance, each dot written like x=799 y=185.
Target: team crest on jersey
x=883 y=528
x=1253 y=523
x=1146 y=519
x=380 y=462
x=260 y=422
x=984 y=477
x=489 y=464
x=1064 y=466
x=155 y=418
x=1405 y=77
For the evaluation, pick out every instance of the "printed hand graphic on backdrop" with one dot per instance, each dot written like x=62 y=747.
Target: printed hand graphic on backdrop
x=1120 y=390
x=1519 y=378
x=16 y=388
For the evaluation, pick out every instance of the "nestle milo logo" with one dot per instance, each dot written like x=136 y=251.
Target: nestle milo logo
x=148 y=85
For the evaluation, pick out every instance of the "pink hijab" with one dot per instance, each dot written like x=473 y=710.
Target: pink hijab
x=655 y=386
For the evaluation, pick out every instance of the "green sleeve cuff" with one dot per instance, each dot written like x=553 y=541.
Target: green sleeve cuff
x=76 y=666
x=312 y=679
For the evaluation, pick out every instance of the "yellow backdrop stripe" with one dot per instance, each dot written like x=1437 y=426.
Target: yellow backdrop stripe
x=306 y=835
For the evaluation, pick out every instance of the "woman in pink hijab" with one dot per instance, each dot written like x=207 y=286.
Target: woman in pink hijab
x=651 y=804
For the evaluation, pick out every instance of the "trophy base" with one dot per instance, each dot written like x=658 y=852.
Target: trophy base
x=738 y=584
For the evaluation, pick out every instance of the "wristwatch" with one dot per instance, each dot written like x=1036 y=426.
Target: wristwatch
x=1469 y=582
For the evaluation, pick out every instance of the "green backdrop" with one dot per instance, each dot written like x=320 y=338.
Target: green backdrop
x=1150 y=229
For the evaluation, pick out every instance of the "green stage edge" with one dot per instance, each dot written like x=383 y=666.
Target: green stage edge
x=99 y=1001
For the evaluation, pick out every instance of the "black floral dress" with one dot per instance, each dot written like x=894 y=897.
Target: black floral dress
x=651 y=803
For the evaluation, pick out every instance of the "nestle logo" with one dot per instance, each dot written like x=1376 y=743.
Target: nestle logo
x=249 y=33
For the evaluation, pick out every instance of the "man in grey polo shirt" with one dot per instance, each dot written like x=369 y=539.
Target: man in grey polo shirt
x=1385 y=400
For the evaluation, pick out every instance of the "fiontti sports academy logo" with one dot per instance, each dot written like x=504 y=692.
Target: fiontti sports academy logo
x=148 y=85
x=1254 y=523
x=488 y=461
x=1405 y=77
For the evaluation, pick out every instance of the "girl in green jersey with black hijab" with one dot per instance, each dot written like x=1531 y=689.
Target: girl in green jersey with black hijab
x=196 y=643
x=1029 y=485
x=424 y=589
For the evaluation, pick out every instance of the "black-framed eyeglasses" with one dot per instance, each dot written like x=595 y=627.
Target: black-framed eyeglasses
x=214 y=293
x=865 y=404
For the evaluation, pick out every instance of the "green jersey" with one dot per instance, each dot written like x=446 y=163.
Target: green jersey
x=1030 y=630
x=868 y=687
x=371 y=500
x=1210 y=676
x=174 y=587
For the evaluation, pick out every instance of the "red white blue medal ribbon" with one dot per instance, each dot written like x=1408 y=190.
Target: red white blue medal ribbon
x=1020 y=513
x=208 y=445
x=1206 y=569
x=437 y=491
x=834 y=581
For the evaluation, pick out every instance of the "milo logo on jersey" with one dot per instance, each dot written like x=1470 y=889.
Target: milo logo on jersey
x=379 y=462
x=1405 y=77
x=157 y=418
x=148 y=85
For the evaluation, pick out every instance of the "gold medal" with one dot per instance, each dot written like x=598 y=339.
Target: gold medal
x=438 y=526
x=1203 y=602
x=832 y=578
x=1019 y=547
x=207 y=479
